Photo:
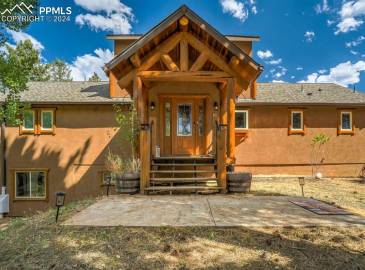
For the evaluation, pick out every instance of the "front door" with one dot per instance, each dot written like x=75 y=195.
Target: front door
x=185 y=123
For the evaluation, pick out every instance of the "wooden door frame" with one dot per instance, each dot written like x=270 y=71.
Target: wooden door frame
x=161 y=116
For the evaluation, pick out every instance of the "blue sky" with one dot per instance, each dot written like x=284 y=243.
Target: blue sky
x=307 y=40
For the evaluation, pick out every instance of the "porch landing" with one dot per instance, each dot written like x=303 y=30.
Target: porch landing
x=197 y=210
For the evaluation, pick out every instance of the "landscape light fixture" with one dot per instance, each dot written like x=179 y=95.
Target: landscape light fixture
x=108 y=181
x=152 y=106
x=60 y=201
x=215 y=106
x=302 y=183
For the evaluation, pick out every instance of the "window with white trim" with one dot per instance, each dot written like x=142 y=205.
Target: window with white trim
x=346 y=121
x=28 y=120
x=296 y=121
x=241 y=119
x=30 y=184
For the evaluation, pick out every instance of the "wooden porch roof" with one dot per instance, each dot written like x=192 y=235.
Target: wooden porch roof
x=245 y=69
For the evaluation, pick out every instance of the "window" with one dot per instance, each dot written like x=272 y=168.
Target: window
x=296 y=123
x=30 y=185
x=29 y=120
x=241 y=119
x=47 y=120
x=184 y=121
x=167 y=119
x=345 y=123
x=38 y=121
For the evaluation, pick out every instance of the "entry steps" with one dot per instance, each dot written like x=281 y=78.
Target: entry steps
x=183 y=174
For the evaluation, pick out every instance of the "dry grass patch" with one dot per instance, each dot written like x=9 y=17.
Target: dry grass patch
x=346 y=193
x=38 y=243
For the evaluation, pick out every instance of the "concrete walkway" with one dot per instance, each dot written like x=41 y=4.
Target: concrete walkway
x=199 y=210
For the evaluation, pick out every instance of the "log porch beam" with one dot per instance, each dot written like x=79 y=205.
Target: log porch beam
x=169 y=63
x=231 y=120
x=199 y=62
x=184 y=55
x=202 y=76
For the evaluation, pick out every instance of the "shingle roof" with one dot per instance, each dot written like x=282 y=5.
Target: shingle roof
x=305 y=93
x=267 y=93
x=69 y=92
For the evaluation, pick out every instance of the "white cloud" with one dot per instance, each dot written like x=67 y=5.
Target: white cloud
x=344 y=74
x=354 y=52
x=116 y=16
x=278 y=72
x=322 y=8
x=322 y=71
x=350 y=16
x=292 y=77
x=275 y=61
x=264 y=54
x=278 y=81
x=21 y=36
x=309 y=36
x=355 y=42
x=84 y=66
x=299 y=68
x=235 y=8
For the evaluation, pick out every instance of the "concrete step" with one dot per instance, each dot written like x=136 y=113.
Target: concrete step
x=181 y=188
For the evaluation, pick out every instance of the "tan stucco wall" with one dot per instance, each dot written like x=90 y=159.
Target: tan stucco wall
x=268 y=149
x=74 y=155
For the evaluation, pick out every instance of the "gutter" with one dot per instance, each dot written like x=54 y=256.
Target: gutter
x=3 y=149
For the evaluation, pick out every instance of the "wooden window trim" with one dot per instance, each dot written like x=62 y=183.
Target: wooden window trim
x=47 y=131
x=341 y=131
x=292 y=131
x=242 y=130
x=22 y=130
x=38 y=122
x=43 y=199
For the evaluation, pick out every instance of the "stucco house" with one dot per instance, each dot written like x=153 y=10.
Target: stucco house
x=198 y=101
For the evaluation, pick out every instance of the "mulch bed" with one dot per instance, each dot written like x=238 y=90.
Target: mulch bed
x=319 y=207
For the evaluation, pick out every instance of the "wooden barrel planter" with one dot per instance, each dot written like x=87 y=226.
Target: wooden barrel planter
x=127 y=183
x=239 y=182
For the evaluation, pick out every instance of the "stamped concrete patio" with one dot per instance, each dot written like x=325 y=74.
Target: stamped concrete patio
x=199 y=210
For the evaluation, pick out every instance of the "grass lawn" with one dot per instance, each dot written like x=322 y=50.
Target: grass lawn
x=36 y=242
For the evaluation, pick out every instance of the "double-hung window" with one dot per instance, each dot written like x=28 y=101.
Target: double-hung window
x=30 y=185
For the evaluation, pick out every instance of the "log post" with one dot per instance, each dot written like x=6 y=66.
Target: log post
x=222 y=141
x=231 y=120
x=140 y=99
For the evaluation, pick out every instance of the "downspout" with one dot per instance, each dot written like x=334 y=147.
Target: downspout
x=3 y=143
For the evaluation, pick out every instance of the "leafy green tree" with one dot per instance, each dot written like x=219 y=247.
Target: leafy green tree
x=13 y=24
x=59 y=71
x=16 y=69
x=40 y=73
x=94 y=78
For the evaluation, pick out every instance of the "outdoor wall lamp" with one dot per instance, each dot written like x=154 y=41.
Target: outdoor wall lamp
x=215 y=106
x=60 y=201
x=152 y=105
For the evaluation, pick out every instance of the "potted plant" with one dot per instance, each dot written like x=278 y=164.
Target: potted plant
x=125 y=169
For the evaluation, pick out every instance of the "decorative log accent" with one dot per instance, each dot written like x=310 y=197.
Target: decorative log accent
x=163 y=48
x=253 y=90
x=199 y=62
x=231 y=119
x=215 y=59
x=126 y=80
x=202 y=76
x=183 y=22
x=234 y=61
x=169 y=63
x=184 y=55
x=135 y=60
